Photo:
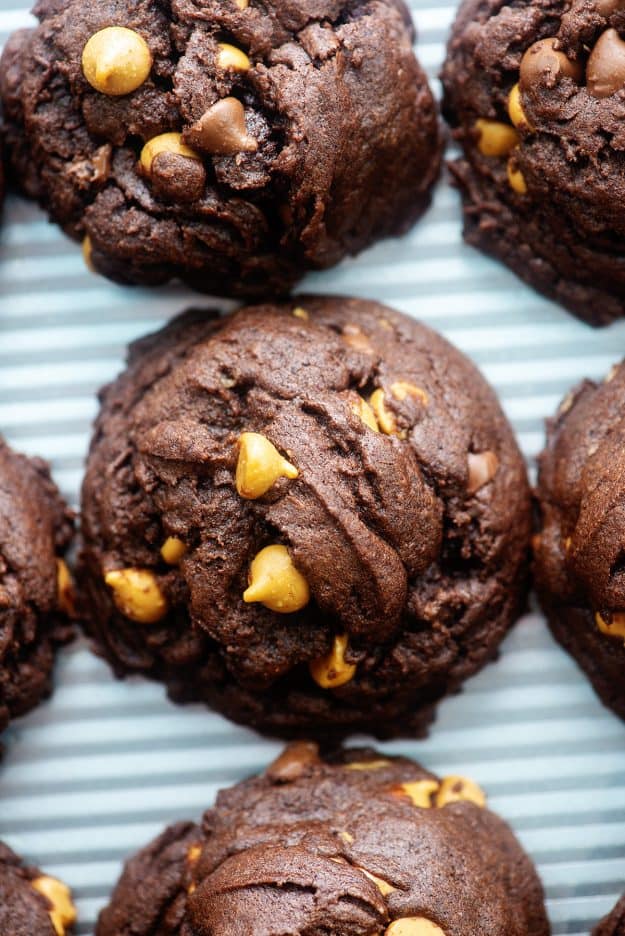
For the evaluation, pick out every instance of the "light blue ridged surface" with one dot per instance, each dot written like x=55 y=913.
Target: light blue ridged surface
x=93 y=774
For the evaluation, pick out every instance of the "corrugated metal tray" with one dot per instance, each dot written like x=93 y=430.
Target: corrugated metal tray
x=94 y=773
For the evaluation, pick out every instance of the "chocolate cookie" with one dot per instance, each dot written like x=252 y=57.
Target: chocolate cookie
x=35 y=585
x=536 y=93
x=614 y=923
x=356 y=844
x=580 y=553
x=232 y=143
x=31 y=903
x=1 y=179
x=312 y=516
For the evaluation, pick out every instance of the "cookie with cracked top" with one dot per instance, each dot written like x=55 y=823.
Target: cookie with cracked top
x=535 y=92
x=231 y=143
x=31 y=902
x=353 y=844
x=579 y=554
x=312 y=516
x=36 y=596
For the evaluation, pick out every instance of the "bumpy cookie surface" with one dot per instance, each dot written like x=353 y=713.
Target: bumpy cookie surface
x=31 y=903
x=232 y=143
x=35 y=587
x=353 y=845
x=536 y=93
x=580 y=557
x=312 y=516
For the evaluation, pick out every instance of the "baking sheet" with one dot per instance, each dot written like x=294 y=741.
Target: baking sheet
x=93 y=774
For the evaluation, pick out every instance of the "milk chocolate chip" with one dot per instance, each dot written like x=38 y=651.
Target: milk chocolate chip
x=178 y=178
x=482 y=469
x=544 y=64
x=605 y=72
x=294 y=761
x=222 y=131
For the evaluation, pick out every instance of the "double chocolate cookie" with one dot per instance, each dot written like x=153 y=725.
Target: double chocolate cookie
x=31 y=903
x=355 y=844
x=312 y=516
x=536 y=94
x=36 y=597
x=232 y=143
x=580 y=553
x=614 y=923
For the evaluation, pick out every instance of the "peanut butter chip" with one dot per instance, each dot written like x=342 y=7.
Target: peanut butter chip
x=459 y=789
x=613 y=624
x=116 y=61
x=515 y=110
x=384 y=416
x=221 y=131
x=378 y=764
x=260 y=465
x=294 y=761
x=65 y=589
x=495 y=138
x=172 y=550
x=516 y=177
x=356 y=339
x=544 y=64
x=482 y=469
x=276 y=583
x=414 y=926
x=420 y=792
x=364 y=412
x=193 y=855
x=605 y=71
x=137 y=594
x=232 y=59
x=300 y=313
x=403 y=389
x=87 y=254
x=332 y=671
x=242 y=4
x=383 y=886
x=58 y=895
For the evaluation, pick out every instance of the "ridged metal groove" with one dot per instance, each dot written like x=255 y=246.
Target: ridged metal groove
x=94 y=773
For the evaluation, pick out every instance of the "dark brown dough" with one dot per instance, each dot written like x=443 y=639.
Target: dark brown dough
x=25 y=910
x=580 y=554
x=566 y=235
x=614 y=923
x=348 y=141
x=332 y=846
x=413 y=546
x=35 y=531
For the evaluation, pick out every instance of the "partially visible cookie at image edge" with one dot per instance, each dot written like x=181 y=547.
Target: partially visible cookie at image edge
x=614 y=923
x=535 y=92
x=36 y=589
x=579 y=552
x=235 y=147
x=32 y=903
x=353 y=844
